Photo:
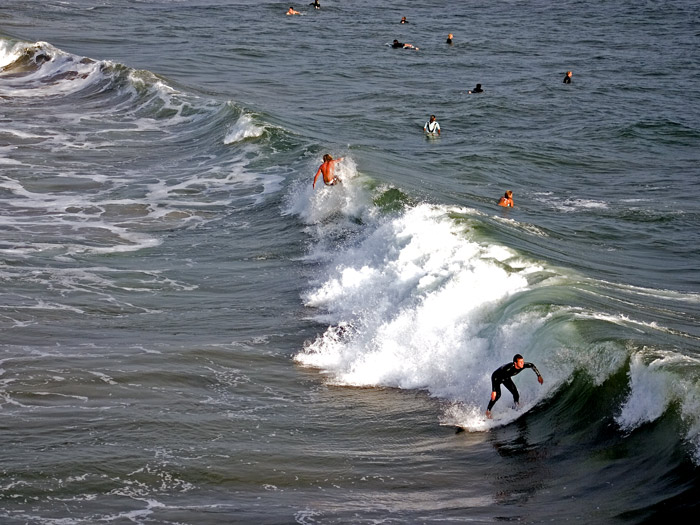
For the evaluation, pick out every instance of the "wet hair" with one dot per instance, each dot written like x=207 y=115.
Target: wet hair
x=516 y=357
x=327 y=157
x=509 y=194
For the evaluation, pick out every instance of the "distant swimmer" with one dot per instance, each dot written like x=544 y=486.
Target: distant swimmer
x=316 y=4
x=449 y=39
x=567 y=78
x=432 y=126
x=507 y=200
x=401 y=45
x=403 y=20
x=327 y=169
x=503 y=375
x=477 y=89
x=292 y=11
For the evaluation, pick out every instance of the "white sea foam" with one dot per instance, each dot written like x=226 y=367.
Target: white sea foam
x=658 y=379
x=650 y=393
x=413 y=304
x=569 y=204
x=9 y=52
x=244 y=128
x=62 y=74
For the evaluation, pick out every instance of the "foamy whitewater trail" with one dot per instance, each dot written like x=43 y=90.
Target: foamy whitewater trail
x=413 y=301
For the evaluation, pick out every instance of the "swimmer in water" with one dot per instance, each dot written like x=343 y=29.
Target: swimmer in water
x=403 y=20
x=477 y=89
x=401 y=45
x=567 y=78
x=507 y=200
x=292 y=11
x=503 y=375
x=316 y=4
x=327 y=169
x=449 y=39
x=432 y=126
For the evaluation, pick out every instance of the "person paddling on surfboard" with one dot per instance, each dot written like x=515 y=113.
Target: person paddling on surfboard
x=401 y=45
x=327 y=169
x=503 y=375
x=432 y=126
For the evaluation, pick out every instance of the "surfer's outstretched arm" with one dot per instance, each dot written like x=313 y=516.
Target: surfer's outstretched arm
x=534 y=369
x=316 y=177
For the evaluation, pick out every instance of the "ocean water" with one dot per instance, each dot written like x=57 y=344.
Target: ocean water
x=192 y=334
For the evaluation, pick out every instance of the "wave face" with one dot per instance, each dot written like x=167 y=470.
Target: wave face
x=416 y=299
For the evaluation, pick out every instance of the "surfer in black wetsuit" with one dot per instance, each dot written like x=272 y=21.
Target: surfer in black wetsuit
x=503 y=375
x=567 y=78
x=401 y=45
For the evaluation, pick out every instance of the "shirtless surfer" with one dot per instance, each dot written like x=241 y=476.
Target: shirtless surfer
x=327 y=169
x=507 y=200
x=292 y=11
x=503 y=375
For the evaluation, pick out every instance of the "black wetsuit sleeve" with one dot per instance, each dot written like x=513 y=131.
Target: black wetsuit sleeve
x=534 y=368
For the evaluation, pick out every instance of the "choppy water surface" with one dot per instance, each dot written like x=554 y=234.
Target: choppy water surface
x=192 y=334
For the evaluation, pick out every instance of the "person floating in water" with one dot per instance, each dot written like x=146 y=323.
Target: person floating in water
x=567 y=78
x=403 y=20
x=401 y=45
x=316 y=4
x=432 y=126
x=477 y=89
x=507 y=200
x=292 y=11
x=449 y=39
x=327 y=169
x=503 y=375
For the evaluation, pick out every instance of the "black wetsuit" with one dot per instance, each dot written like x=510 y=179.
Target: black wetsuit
x=397 y=45
x=567 y=79
x=502 y=376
